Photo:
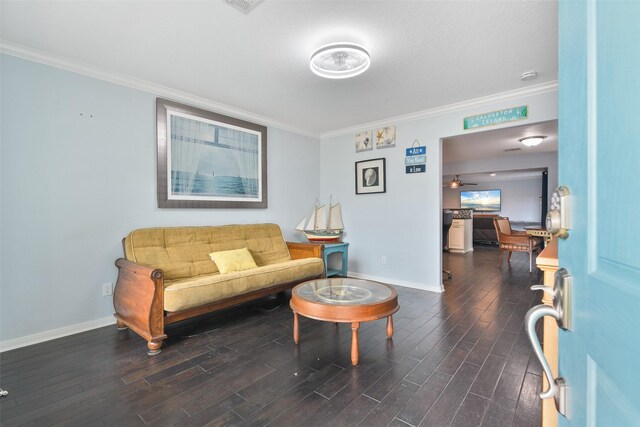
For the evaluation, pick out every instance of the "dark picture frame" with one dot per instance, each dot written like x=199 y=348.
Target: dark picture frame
x=208 y=160
x=371 y=176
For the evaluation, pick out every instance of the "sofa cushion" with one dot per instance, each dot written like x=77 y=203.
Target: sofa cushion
x=183 y=252
x=234 y=260
x=182 y=294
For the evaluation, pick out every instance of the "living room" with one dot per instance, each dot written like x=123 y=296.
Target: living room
x=80 y=168
x=496 y=163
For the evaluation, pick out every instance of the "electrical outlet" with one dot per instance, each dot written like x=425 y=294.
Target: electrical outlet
x=107 y=289
x=383 y=260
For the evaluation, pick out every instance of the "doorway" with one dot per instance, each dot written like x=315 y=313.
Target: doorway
x=493 y=174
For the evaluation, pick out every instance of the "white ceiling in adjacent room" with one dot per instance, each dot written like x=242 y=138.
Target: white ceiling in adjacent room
x=493 y=143
x=424 y=54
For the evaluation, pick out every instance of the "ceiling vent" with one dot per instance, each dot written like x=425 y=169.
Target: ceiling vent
x=512 y=149
x=244 y=6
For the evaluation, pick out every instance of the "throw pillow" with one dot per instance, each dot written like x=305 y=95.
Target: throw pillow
x=234 y=260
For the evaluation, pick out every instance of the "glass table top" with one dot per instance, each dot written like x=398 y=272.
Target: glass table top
x=343 y=291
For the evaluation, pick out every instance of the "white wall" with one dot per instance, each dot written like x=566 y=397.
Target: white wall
x=73 y=186
x=520 y=198
x=404 y=224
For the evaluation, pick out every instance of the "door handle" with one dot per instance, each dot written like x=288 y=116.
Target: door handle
x=557 y=386
x=561 y=311
x=530 y=320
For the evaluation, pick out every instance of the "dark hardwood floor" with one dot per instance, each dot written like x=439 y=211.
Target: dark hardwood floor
x=460 y=358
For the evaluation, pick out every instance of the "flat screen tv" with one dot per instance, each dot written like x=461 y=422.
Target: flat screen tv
x=481 y=200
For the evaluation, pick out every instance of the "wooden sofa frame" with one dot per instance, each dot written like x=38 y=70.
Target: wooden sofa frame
x=138 y=298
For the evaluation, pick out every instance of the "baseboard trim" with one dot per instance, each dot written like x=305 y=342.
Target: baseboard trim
x=55 y=333
x=424 y=286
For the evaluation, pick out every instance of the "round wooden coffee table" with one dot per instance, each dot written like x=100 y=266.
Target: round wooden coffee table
x=346 y=301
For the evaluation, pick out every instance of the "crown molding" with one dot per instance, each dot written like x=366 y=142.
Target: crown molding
x=539 y=89
x=67 y=64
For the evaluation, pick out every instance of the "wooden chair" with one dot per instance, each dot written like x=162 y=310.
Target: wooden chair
x=515 y=241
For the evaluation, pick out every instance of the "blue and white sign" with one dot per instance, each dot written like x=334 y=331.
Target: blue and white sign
x=415 y=169
x=415 y=151
x=496 y=117
x=416 y=159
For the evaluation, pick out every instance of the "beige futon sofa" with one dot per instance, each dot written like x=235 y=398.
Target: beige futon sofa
x=167 y=274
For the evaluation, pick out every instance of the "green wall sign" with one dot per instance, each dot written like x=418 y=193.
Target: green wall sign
x=496 y=117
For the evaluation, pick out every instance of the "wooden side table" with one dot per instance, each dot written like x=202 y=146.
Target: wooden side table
x=330 y=248
x=539 y=232
x=325 y=250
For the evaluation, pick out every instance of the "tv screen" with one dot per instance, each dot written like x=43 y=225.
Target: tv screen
x=480 y=201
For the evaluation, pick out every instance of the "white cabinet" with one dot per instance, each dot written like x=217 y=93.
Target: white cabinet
x=461 y=236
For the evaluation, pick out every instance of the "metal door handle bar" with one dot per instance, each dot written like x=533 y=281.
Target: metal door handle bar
x=533 y=315
x=547 y=289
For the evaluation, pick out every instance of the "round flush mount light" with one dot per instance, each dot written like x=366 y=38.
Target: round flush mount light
x=340 y=60
x=532 y=141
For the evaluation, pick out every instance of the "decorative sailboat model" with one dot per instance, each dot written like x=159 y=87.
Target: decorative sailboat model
x=325 y=224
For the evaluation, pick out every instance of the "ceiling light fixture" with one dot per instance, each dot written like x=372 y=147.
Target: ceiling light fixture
x=492 y=174
x=244 y=6
x=532 y=141
x=340 y=60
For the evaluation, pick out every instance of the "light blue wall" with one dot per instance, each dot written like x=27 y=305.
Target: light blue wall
x=404 y=224
x=74 y=185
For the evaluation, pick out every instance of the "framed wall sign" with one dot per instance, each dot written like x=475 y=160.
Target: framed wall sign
x=207 y=160
x=371 y=176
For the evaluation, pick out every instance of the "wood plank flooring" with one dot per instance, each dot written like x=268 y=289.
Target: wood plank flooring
x=460 y=358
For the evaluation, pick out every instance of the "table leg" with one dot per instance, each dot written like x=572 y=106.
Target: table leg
x=389 y=326
x=296 y=328
x=344 y=262
x=354 y=343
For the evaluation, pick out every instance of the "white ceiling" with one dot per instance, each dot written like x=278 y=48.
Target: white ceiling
x=424 y=54
x=480 y=178
x=492 y=143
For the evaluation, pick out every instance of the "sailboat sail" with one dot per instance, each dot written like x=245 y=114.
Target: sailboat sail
x=325 y=224
x=312 y=220
x=321 y=218
x=335 y=223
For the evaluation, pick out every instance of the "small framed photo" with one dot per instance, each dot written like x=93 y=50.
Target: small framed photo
x=364 y=141
x=371 y=176
x=386 y=137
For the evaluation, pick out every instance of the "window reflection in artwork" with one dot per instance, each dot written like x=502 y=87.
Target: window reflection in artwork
x=212 y=160
x=207 y=160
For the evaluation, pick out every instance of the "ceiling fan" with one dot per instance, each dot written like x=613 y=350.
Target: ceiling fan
x=456 y=182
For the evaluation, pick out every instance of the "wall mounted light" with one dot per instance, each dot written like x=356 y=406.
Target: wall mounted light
x=532 y=141
x=340 y=60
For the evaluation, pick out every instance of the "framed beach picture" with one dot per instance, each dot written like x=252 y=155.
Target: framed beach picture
x=207 y=160
x=386 y=137
x=364 y=141
x=371 y=176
